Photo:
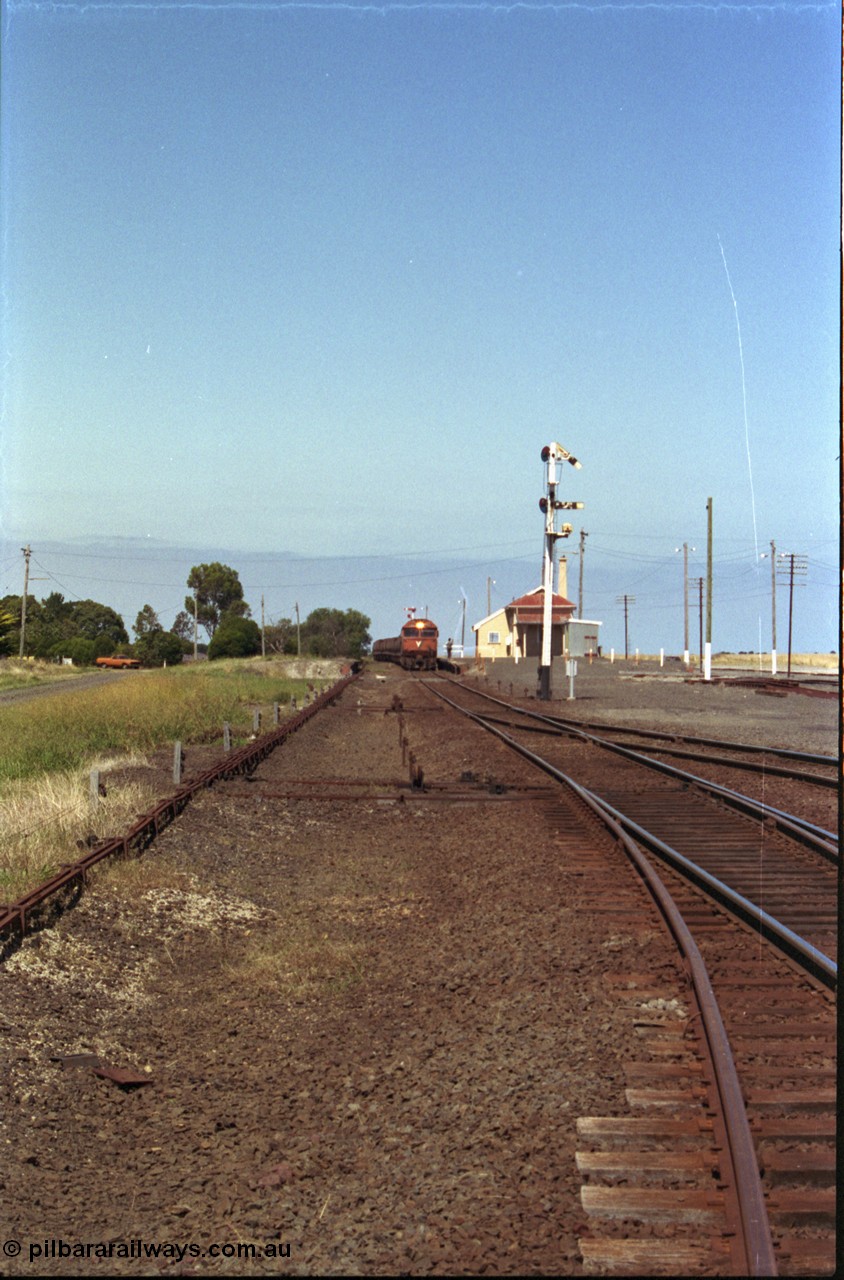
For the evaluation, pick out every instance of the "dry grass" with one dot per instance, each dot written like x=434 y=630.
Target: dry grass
x=41 y=823
x=20 y=673
x=821 y=661
x=298 y=959
x=755 y=661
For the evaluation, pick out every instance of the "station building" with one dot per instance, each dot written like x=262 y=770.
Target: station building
x=515 y=630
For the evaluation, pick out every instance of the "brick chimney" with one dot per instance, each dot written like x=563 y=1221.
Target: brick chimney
x=563 y=578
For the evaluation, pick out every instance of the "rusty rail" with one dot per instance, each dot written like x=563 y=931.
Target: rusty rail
x=15 y=918
x=750 y=1220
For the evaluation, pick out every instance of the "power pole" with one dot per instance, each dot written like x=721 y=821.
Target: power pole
x=552 y=454
x=698 y=582
x=298 y=633
x=627 y=601
x=773 y=608
x=685 y=604
x=583 y=536
x=195 y=626
x=707 y=661
x=27 y=552
x=685 y=601
x=263 y=642
x=797 y=566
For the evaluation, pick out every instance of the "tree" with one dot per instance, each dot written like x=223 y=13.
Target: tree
x=157 y=648
x=94 y=621
x=235 y=638
x=51 y=626
x=147 y=622
x=183 y=625
x=80 y=651
x=280 y=637
x=333 y=633
x=217 y=591
x=7 y=622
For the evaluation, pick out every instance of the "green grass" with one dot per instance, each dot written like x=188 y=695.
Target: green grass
x=139 y=711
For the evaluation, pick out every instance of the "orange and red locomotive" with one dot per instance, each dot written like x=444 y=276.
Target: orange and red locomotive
x=415 y=648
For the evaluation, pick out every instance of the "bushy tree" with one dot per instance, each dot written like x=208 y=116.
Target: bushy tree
x=183 y=625
x=335 y=633
x=94 y=621
x=235 y=638
x=56 y=621
x=80 y=651
x=146 y=622
x=280 y=637
x=218 y=592
x=155 y=646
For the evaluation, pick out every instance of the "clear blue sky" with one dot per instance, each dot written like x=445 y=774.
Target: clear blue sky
x=322 y=279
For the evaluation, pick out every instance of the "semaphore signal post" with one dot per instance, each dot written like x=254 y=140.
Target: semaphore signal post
x=552 y=455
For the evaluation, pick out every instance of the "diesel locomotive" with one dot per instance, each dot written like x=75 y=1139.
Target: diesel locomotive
x=415 y=648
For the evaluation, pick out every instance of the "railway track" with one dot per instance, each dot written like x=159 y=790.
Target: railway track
x=777 y=1008
x=669 y=1173
x=773 y=866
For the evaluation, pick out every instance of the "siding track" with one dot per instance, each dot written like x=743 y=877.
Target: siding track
x=777 y=1008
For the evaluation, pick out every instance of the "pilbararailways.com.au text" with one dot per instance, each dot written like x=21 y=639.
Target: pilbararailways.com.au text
x=60 y=1248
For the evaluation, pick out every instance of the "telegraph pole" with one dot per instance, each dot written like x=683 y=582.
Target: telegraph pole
x=626 y=601
x=195 y=626
x=763 y=556
x=298 y=633
x=698 y=582
x=685 y=601
x=773 y=608
x=27 y=552
x=552 y=454
x=707 y=661
x=797 y=567
x=583 y=536
x=263 y=643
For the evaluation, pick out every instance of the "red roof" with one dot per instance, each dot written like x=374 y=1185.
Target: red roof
x=528 y=608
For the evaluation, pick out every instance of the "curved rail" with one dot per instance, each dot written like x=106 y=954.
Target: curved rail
x=817 y=838
x=785 y=753
x=754 y=1225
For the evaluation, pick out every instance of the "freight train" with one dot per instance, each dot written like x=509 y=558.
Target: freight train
x=415 y=648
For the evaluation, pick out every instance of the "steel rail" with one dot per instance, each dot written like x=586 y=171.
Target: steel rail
x=752 y=766
x=817 y=838
x=739 y=1149
x=15 y=917
x=806 y=757
x=728 y=762
x=813 y=960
